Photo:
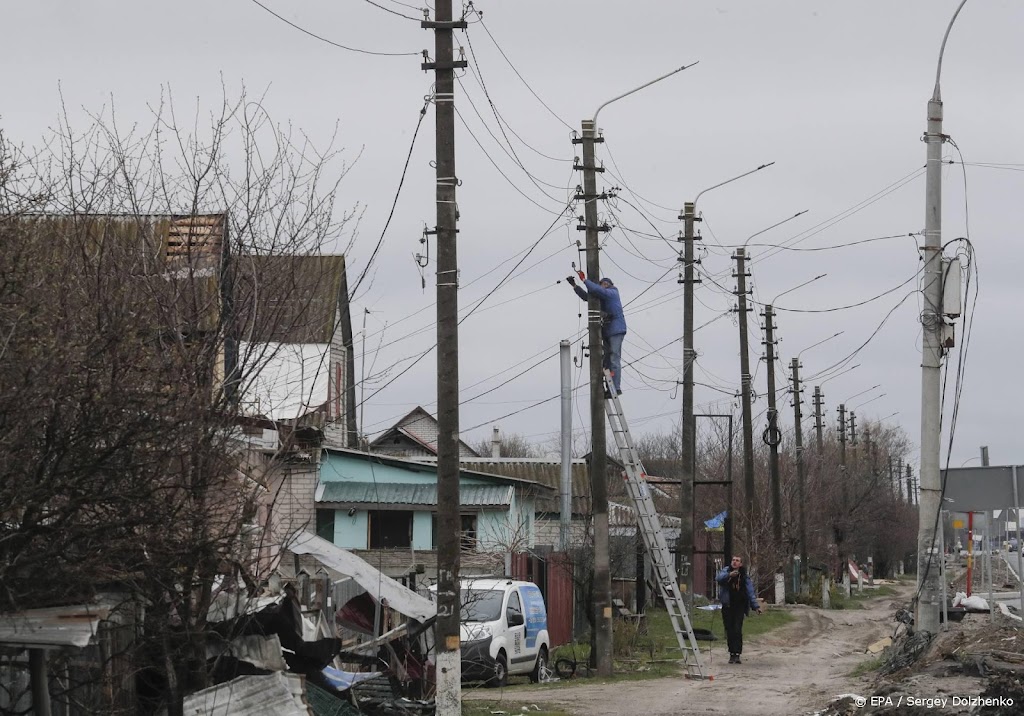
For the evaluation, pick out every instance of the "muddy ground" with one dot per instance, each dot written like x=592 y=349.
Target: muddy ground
x=799 y=669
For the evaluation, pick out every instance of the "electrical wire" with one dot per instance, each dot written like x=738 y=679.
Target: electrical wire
x=332 y=42
x=393 y=12
x=394 y=202
x=480 y=15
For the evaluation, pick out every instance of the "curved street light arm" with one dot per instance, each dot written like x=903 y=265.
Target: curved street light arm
x=637 y=89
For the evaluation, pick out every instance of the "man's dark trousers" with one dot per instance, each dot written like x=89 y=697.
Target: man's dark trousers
x=732 y=617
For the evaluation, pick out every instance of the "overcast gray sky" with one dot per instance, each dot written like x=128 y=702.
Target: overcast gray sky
x=834 y=93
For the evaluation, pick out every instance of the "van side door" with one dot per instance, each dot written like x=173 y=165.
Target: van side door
x=520 y=658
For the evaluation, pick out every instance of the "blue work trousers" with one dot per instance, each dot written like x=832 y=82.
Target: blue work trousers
x=612 y=358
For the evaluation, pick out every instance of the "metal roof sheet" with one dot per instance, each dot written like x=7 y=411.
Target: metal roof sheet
x=543 y=472
x=276 y=694
x=378 y=585
x=53 y=627
x=408 y=494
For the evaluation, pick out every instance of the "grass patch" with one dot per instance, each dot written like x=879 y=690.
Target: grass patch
x=652 y=651
x=868 y=666
x=484 y=708
x=856 y=601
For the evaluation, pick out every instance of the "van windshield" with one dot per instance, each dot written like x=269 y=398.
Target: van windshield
x=481 y=605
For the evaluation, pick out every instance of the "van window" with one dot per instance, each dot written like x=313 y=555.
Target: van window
x=480 y=605
x=514 y=605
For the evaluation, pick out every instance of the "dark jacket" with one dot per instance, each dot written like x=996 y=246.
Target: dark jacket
x=723 y=591
x=613 y=320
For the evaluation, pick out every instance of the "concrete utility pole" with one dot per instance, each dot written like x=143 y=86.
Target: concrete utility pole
x=801 y=478
x=598 y=453
x=853 y=442
x=928 y=603
x=565 y=514
x=772 y=435
x=910 y=488
x=688 y=452
x=598 y=449
x=446 y=630
x=818 y=427
x=745 y=381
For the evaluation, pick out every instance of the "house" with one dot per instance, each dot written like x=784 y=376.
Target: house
x=295 y=341
x=414 y=436
x=384 y=509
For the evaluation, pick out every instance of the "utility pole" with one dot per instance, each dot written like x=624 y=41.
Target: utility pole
x=745 y=381
x=772 y=436
x=932 y=324
x=853 y=442
x=910 y=487
x=819 y=400
x=598 y=449
x=894 y=485
x=565 y=503
x=446 y=630
x=684 y=546
x=801 y=478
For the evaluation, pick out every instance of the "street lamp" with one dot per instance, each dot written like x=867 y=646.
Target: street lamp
x=862 y=392
x=685 y=544
x=602 y=572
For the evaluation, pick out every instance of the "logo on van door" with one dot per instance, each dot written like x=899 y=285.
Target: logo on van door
x=535 y=614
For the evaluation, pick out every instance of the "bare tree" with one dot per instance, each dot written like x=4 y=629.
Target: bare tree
x=126 y=360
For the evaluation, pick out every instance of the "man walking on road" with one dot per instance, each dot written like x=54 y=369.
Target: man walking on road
x=737 y=596
x=613 y=321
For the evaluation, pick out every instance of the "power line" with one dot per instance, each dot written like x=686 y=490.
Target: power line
x=332 y=42
x=480 y=15
x=393 y=12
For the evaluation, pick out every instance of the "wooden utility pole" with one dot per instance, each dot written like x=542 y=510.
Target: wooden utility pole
x=801 y=478
x=446 y=631
x=598 y=449
x=773 y=436
x=684 y=546
x=745 y=382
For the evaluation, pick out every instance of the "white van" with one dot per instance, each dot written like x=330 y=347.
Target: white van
x=504 y=630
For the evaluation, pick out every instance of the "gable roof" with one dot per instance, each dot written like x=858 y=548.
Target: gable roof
x=431 y=467
x=543 y=471
x=420 y=427
x=290 y=298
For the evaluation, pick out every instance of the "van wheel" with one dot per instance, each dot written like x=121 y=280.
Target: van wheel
x=500 y=677
x=541 y=670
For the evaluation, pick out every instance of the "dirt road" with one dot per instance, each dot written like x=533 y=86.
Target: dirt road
x=794 y=670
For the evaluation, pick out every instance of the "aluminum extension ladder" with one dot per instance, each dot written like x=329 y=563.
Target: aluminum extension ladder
x=654 y=539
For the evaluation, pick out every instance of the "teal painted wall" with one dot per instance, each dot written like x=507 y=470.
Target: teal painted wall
x=422 y=522
x=351 y=532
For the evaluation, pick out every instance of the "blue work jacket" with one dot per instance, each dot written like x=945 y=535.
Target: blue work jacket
x=723 y=591
x=613 y=320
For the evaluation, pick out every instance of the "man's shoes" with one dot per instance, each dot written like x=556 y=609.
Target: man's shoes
x=737 y=660
x=733 y=659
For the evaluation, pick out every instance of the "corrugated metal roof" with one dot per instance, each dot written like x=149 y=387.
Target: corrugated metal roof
x=277 y=694
x=543 y=472
x=53 y=627
x=405 y=494
x=625 y=516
